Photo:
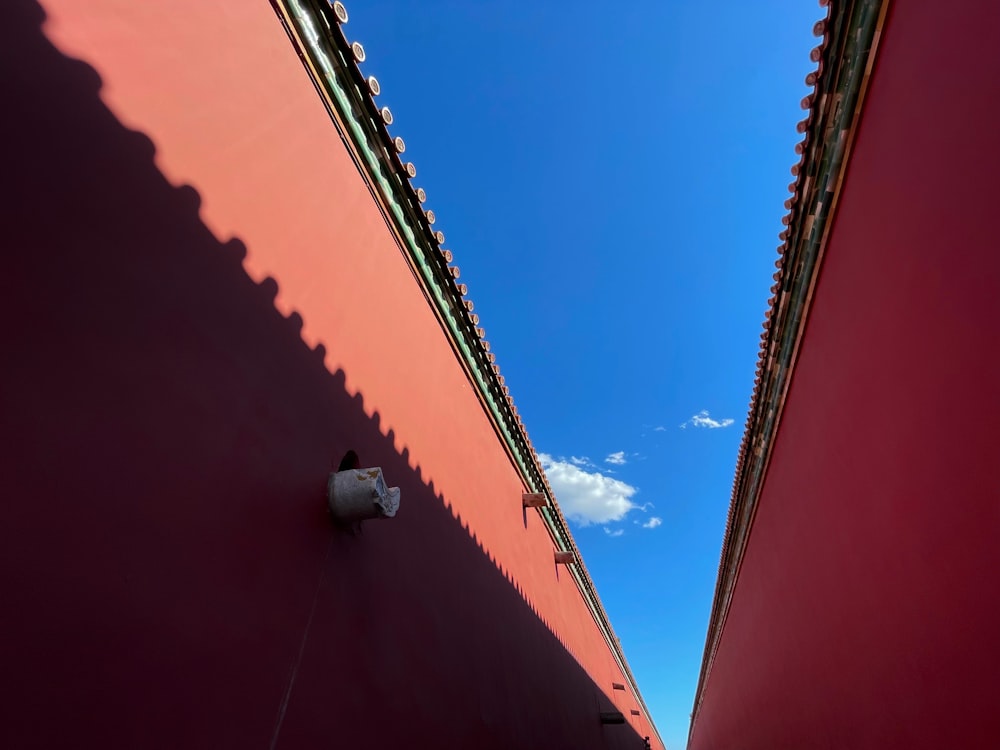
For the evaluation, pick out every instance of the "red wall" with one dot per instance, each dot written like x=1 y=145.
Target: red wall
x=203 y=311
x=866 y=611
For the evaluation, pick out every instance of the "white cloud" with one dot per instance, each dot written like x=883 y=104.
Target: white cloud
x=616 y=458
x=652 y=523
x=702 y=419
x=582 y=461
x=616 y=532
x=587 y=497
x=661 y=428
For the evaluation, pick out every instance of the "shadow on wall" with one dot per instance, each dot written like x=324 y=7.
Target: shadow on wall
x=170 y=576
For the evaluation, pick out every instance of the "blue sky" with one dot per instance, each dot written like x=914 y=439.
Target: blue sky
x=611 y=180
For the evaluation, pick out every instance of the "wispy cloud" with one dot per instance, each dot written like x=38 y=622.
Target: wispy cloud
x=617 y=459
x=703 y=419
x=582 y=461
x=587 y=497
x=613 y=532
x=660 y=428
x=652 y=523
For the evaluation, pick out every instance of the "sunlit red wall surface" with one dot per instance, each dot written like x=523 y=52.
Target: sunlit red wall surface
x=866 y=612
x=203 y=311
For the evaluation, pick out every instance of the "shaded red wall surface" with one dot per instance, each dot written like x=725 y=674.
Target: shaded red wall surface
x=204 y=311
x=866 y=611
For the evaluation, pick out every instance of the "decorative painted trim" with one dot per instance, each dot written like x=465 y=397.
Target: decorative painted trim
x=851 y=32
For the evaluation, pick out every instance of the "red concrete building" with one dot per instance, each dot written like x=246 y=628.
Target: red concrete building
x=857 y=604
x=222 y=282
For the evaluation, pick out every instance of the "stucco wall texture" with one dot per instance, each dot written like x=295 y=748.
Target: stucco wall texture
x=866 y=612
x=204 y=311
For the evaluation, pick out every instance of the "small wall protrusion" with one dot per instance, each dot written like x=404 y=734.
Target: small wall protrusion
x=357 y=495
x=564 y=558
x=612 y=717
x=534 y=500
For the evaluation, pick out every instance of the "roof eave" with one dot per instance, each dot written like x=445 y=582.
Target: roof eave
x=315 y=28
x=850 y=33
